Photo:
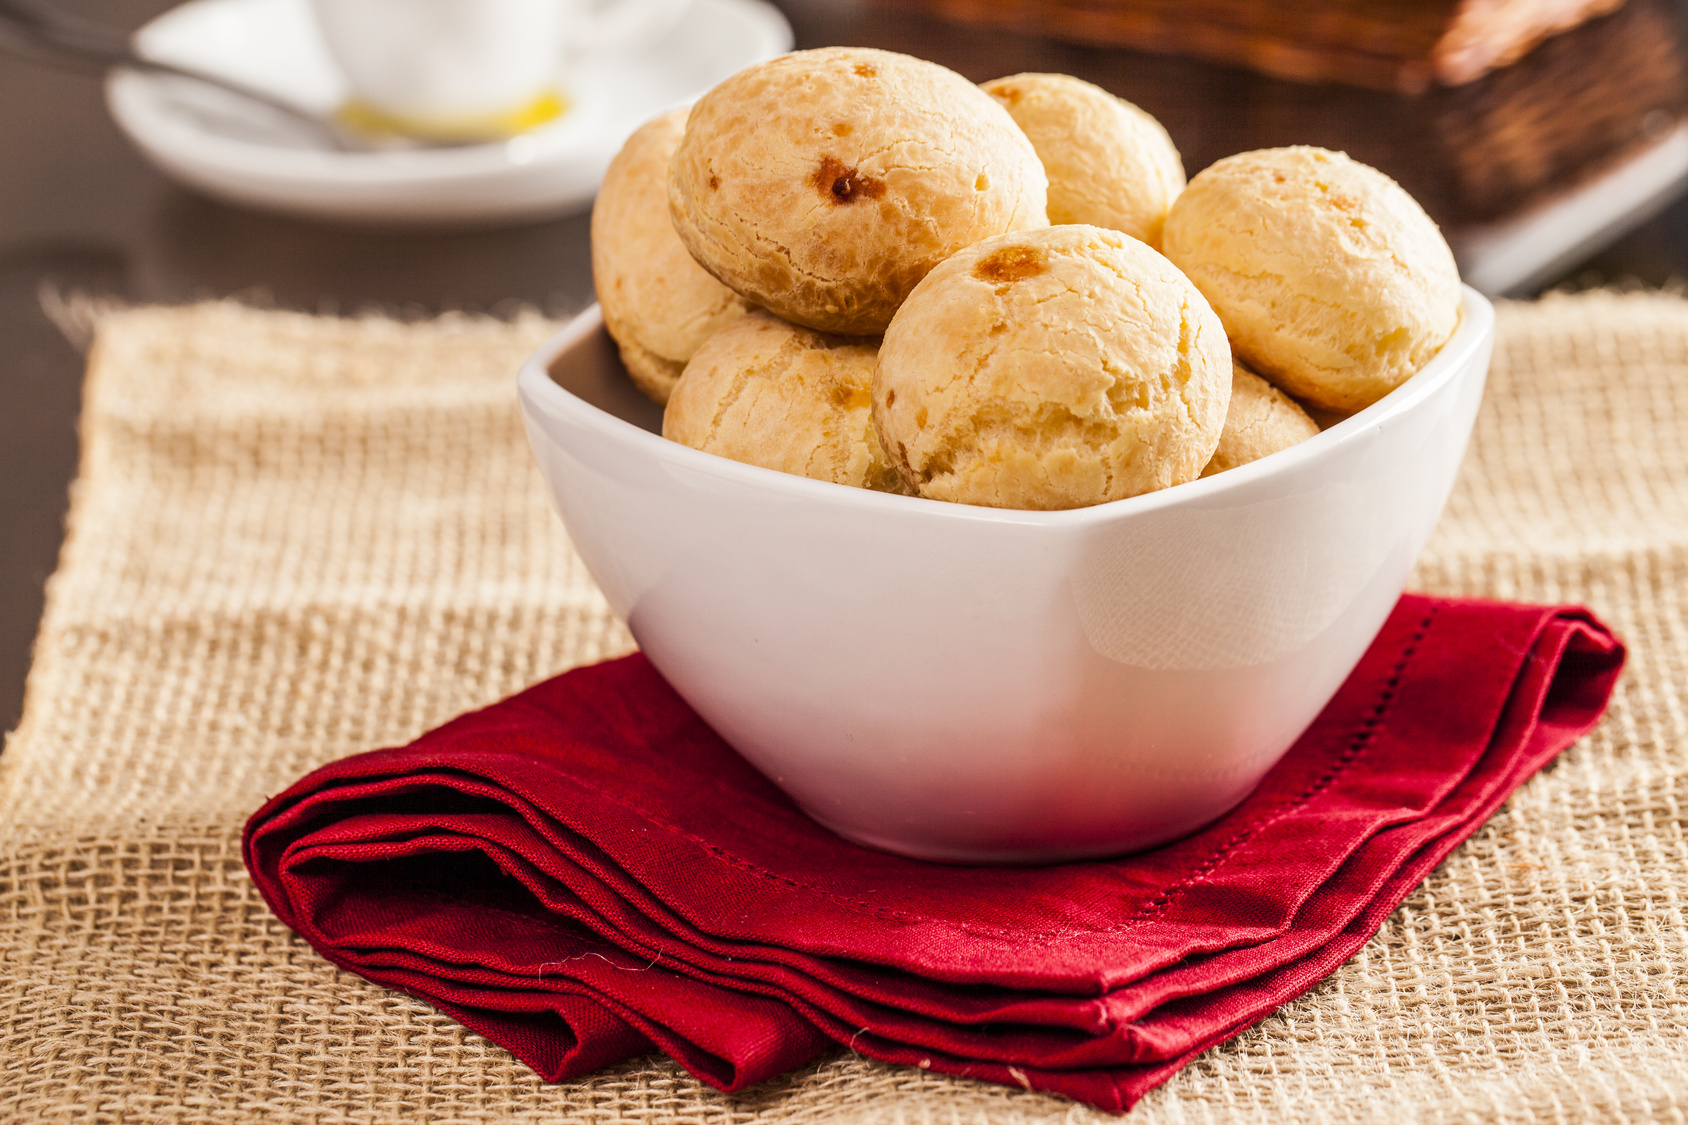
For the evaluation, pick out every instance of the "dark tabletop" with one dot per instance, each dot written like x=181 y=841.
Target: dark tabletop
x=81 y=212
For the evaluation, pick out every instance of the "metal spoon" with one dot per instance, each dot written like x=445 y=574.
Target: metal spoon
x=52 y=38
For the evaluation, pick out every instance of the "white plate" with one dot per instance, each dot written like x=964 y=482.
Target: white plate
x=223 y=148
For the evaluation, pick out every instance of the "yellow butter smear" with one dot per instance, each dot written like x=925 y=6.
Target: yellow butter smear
x=366 y=119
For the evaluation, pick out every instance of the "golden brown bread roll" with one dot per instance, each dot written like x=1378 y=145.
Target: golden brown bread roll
x=1331 y=280
x=1053 y=368
x=1260 y=421
x=658 y=303
x=769 y=393
x=1109 y=164
x=823 y=185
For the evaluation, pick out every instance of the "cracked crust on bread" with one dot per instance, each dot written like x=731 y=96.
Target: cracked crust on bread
x=1049 y=369
x=658 y=303
x=1109 y=163
x=773 y=394
x=1331 y=280
x=1260 y=421
x=823 y=185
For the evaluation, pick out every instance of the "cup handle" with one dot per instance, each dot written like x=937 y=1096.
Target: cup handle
x=621 y=23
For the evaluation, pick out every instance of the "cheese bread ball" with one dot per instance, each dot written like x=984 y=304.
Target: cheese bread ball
x=658 y=303
x=1332 y=281
x=824 y=184
x=1261 y=420
x=1109 y=164
x=1052 y=369
x=770 y=393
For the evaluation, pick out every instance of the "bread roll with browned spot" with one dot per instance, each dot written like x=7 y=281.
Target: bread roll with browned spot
x=1109 y=163
x=823 y=185
x=658 y=303
x=769 y=393
x=1332 y=281
x=1260 y=421
x=1054 y=368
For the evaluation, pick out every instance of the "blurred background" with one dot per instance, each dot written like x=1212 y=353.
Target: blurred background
x=1548 y=138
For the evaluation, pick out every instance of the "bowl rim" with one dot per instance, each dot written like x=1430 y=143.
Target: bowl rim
x=542 y=394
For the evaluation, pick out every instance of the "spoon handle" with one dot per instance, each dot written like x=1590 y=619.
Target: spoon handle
x=34 y=34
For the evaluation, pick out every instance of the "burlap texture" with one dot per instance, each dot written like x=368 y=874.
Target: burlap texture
x=296 y=538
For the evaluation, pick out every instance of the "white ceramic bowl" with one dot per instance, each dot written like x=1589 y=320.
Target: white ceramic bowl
x=979 y=685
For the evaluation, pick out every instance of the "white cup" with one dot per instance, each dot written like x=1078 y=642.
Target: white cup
x=469 y=68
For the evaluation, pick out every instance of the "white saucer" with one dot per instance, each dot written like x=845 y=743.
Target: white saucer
x=222 y=147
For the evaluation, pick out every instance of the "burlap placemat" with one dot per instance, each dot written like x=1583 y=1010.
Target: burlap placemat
x=295 y=538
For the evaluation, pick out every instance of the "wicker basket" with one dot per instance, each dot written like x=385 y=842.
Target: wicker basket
x=1405 y=45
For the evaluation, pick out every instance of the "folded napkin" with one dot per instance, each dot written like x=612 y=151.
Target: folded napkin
x=586 y=871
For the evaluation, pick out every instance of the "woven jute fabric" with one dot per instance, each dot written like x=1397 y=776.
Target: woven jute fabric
x=296 y=538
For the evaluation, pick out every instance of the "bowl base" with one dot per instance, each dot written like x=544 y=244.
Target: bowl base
x=1029 y=856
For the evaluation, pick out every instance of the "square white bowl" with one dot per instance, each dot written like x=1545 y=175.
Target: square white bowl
x=982 y=685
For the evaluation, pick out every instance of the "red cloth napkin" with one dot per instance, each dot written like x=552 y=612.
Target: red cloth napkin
x=585 y=871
